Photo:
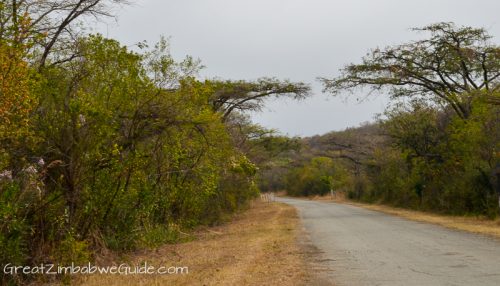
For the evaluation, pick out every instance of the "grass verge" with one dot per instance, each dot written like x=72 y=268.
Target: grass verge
x=258 y=247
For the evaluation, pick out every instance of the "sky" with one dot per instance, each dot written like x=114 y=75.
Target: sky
x=298 y=40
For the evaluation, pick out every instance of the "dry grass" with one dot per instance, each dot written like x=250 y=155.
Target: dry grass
x=478 y=225
x=259 y=247
x=470 y=224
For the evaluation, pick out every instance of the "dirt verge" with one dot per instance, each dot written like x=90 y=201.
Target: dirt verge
x=258 y=247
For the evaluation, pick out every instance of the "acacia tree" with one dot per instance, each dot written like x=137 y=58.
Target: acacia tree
x=451 y=67
x=230 y=96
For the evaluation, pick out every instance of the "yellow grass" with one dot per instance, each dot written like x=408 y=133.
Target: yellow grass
x=470 y=224
x=259 y=247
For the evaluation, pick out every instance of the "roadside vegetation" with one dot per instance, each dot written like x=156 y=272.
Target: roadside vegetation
x=108 y=147
x=435 y=148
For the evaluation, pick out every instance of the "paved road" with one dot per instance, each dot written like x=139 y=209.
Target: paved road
x=364 y=247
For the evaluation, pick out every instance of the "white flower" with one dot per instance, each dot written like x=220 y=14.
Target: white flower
x=6 y=175
x=30 y=170
x=82 y=119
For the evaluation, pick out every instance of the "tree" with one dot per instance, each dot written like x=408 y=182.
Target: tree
x=50 y=23
x=417 y=129
x=230 y=96
x=317 y=176
x=16 y=101
x=451 y=67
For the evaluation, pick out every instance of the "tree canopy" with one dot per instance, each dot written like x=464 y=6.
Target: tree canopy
x=231 y=96
x=451 y=67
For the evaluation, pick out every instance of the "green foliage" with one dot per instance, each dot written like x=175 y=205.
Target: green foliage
x=159 y=235
x=316 y=177
x=232 y=96
x=130 y=151
x=443 y=149
x=71 y=250
x=13 y=225
x=418 y=155
x=438 y=161
x=105 y=147
x=450 y=66
x=390 y=179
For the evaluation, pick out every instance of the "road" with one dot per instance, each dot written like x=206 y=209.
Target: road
x=363 y=247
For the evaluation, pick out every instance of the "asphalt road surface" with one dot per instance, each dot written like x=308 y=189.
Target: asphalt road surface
x=363 y=247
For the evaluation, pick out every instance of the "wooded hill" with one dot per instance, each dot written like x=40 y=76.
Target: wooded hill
x=422 y=158
x=436 y=147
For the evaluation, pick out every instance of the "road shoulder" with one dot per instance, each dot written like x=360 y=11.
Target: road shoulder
x=258 y=247
x=478 y=225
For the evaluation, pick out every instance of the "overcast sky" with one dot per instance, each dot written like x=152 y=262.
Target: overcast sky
x=292 y=39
